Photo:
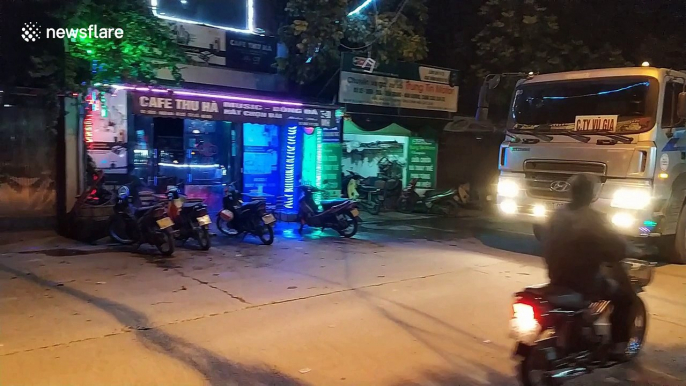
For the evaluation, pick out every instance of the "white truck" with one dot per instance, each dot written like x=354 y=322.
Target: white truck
x=626 y=126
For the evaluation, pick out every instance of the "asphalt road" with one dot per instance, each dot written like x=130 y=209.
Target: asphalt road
x=425 y=302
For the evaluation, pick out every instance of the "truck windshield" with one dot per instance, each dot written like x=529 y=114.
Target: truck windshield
x=619 y=104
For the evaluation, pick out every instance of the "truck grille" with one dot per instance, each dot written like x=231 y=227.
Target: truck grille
x=542 y=175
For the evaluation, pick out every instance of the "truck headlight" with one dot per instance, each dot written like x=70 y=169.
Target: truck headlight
x=508 y=188
x=631 y=198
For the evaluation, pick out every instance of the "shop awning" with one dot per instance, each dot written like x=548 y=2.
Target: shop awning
x=471 y=125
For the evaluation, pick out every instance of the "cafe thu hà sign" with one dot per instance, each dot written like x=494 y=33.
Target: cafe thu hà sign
x=218 y=109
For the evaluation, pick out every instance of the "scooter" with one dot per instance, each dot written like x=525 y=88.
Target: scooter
x=191 y=219
x=237 y=218
x=443 y=202
x=560 y=335
x=340 y=215
x=368 y=197
x=137 y=225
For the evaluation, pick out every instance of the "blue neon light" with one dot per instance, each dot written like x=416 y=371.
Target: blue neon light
x=600 y=93
x=250 y=28
x=361 y=7
x=289 y=174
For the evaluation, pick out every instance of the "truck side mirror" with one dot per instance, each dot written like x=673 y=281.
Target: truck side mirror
x=490 y=83
x=681 y=105
x=494 y=82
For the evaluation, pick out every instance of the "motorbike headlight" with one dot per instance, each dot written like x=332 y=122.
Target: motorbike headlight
x=631 y=198
x=508 y=188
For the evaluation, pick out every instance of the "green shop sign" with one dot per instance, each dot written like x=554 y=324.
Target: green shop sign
x=422 y=155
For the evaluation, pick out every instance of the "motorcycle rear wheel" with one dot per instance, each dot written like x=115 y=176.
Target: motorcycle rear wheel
x=266 y=235
x=532 y=372
x=223 y=226
x=166 y=245
x=128 y=226
x=351 y=229
x=638 y=329
x=203 y=237
x=373 y=206
x=404 y=205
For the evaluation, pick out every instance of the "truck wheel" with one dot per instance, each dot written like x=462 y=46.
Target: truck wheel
x=677 y=254
x=538 y=232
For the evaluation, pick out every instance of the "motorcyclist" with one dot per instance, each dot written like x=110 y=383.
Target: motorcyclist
x=577 y=243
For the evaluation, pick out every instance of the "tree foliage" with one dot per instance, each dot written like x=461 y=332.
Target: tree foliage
x=318 y=31
x=524 y=35
x=146 y=46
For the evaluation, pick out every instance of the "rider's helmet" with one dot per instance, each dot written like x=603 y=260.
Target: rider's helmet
x=582 y=190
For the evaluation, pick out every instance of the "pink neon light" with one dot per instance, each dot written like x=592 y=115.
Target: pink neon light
x=206 y=95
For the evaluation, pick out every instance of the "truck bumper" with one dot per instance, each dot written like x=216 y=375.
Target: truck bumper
x=631 y=223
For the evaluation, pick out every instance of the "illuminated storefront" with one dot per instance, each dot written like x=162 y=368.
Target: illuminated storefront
x=205 y=140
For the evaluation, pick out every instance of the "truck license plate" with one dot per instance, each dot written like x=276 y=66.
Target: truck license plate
x=165 y=223
x=558 y=205
x=204 y=220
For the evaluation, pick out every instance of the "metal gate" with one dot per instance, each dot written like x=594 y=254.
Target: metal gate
x=27 y=168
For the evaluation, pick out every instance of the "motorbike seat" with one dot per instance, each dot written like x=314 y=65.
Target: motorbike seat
x=140 y=211
x=560 y=297
x=327 y=204
x=436 y=193
x=368 y=189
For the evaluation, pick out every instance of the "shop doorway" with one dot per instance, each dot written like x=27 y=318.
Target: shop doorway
x=261 y=160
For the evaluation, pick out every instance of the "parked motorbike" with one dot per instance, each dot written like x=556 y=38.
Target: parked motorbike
x=191 y=219
x=237 y=218
x=340 y=215
x=390 y=181
x=137 y=225
x=367 y=197
x=445 y=202
x=560 y=335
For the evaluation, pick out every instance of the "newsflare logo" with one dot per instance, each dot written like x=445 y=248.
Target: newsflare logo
x=32 y=32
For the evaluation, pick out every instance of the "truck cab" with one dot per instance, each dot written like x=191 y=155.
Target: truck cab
x=624 y=126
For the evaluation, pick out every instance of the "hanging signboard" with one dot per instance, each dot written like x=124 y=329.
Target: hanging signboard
x=252 y=53
x=219 y=109
x=399 y=85
x=203 y=45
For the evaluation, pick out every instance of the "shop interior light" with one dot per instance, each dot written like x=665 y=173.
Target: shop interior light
x=210 y=95
x=250 y=5
x=214 y=166
x=289 y=175
x=318 y=176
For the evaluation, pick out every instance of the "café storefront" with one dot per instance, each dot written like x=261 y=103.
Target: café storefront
x=206 y=140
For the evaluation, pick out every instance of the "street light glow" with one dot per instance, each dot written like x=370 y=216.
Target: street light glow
x=361 y=7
